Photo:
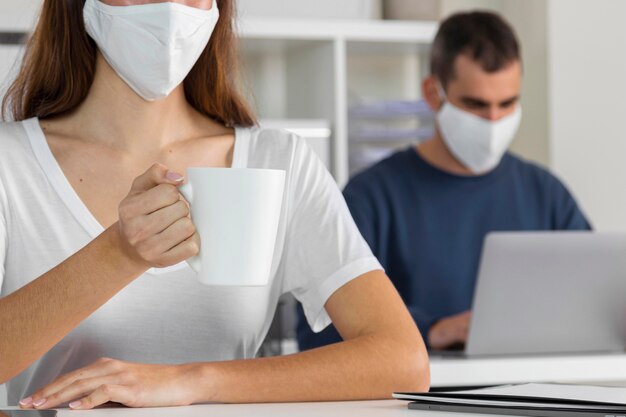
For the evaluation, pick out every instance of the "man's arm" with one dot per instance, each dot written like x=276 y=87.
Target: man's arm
x=566 y=213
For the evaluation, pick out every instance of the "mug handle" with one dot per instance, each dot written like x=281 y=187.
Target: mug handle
x=194 y=262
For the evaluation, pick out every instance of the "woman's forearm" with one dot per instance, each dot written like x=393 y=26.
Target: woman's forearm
x=41 y=313
x=367 y=367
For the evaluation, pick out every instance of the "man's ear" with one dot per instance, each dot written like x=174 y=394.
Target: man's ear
x=431 y=93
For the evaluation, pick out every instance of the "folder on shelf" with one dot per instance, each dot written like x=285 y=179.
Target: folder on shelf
x=541 y=400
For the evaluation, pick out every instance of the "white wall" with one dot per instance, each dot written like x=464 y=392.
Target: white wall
x=9 y=64
x=17 y=15
x=529 y=19
x=587 y=89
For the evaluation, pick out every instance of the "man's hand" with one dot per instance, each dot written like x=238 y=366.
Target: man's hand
x=109 y=380
x=450 y=331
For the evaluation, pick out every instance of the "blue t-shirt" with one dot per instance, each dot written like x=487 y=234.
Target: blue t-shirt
x=427 y=227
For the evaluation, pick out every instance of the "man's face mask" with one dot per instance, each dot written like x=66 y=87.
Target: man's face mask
x=477 y=143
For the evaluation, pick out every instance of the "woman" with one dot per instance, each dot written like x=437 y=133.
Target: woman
x=97 y=302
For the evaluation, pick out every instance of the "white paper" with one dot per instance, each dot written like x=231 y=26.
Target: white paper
x=464 y=401
x=609 y=395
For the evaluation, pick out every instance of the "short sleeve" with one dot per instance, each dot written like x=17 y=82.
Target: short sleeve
x=323 y=247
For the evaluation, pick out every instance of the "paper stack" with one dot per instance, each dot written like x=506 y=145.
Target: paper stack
x=526 y=400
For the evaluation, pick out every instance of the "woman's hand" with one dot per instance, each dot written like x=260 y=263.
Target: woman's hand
x=154 y=221
x=109 y=380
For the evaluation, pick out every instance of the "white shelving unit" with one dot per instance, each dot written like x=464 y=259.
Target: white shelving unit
x=349 y=30
x=299 y=69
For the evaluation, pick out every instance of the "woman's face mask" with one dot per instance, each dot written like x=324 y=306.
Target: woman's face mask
x=151 y=46
x=199 y=4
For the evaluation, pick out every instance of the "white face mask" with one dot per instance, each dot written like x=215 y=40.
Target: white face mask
x=152 y=47
x=477 y=143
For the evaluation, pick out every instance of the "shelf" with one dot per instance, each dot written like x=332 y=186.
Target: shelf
x=310 y=68
x=348 y=30
x=416 y=32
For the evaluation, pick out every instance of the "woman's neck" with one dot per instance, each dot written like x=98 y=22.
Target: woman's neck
x=115 y=115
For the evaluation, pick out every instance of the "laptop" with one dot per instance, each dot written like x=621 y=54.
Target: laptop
x=549 y=293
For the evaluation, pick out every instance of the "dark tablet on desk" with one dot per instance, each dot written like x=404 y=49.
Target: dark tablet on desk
x=28 y=413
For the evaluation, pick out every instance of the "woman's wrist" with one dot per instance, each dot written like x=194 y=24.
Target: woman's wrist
x=118 y=252
x=204 y=382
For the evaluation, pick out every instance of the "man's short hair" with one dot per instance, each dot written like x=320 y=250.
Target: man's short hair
x=484 y=37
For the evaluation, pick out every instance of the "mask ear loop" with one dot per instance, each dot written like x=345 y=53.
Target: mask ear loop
x=444 y=99
x=442 y=93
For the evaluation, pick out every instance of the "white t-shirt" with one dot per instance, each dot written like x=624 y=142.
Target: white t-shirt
x=165 y=315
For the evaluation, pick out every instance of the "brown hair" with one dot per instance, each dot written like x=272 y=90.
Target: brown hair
x=484 y=36
x=59 y=66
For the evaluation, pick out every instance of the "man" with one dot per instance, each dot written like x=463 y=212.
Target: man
x=425 y=211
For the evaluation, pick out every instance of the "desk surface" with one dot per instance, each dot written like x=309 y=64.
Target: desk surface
x=589 y=369
x=388 y=408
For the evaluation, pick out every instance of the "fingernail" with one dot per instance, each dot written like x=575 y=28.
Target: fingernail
x=41 y=402
x=174 y=176
x=75 y=404
x=26 y=401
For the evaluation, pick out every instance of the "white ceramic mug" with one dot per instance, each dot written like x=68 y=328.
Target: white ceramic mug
x=236 y=212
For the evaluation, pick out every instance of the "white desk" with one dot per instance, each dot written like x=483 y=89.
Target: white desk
x=445 y=372
x=605 y=368
x=390 y=408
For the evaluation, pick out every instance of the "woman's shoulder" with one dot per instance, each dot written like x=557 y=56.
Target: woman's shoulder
x=13 y=136
x=275 y=148
x=273 y=138
x=16 y=154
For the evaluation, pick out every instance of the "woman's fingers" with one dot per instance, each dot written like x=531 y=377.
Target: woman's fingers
x=155 y=175
x=154 y=218
x=184 y=250
x=144 y=227
x=103 y=394
x=79 y=389
x=156 y=247
x=166 y=217
x=99 y=368
x=181 y=230
x=158 y=197
x=131 y=384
